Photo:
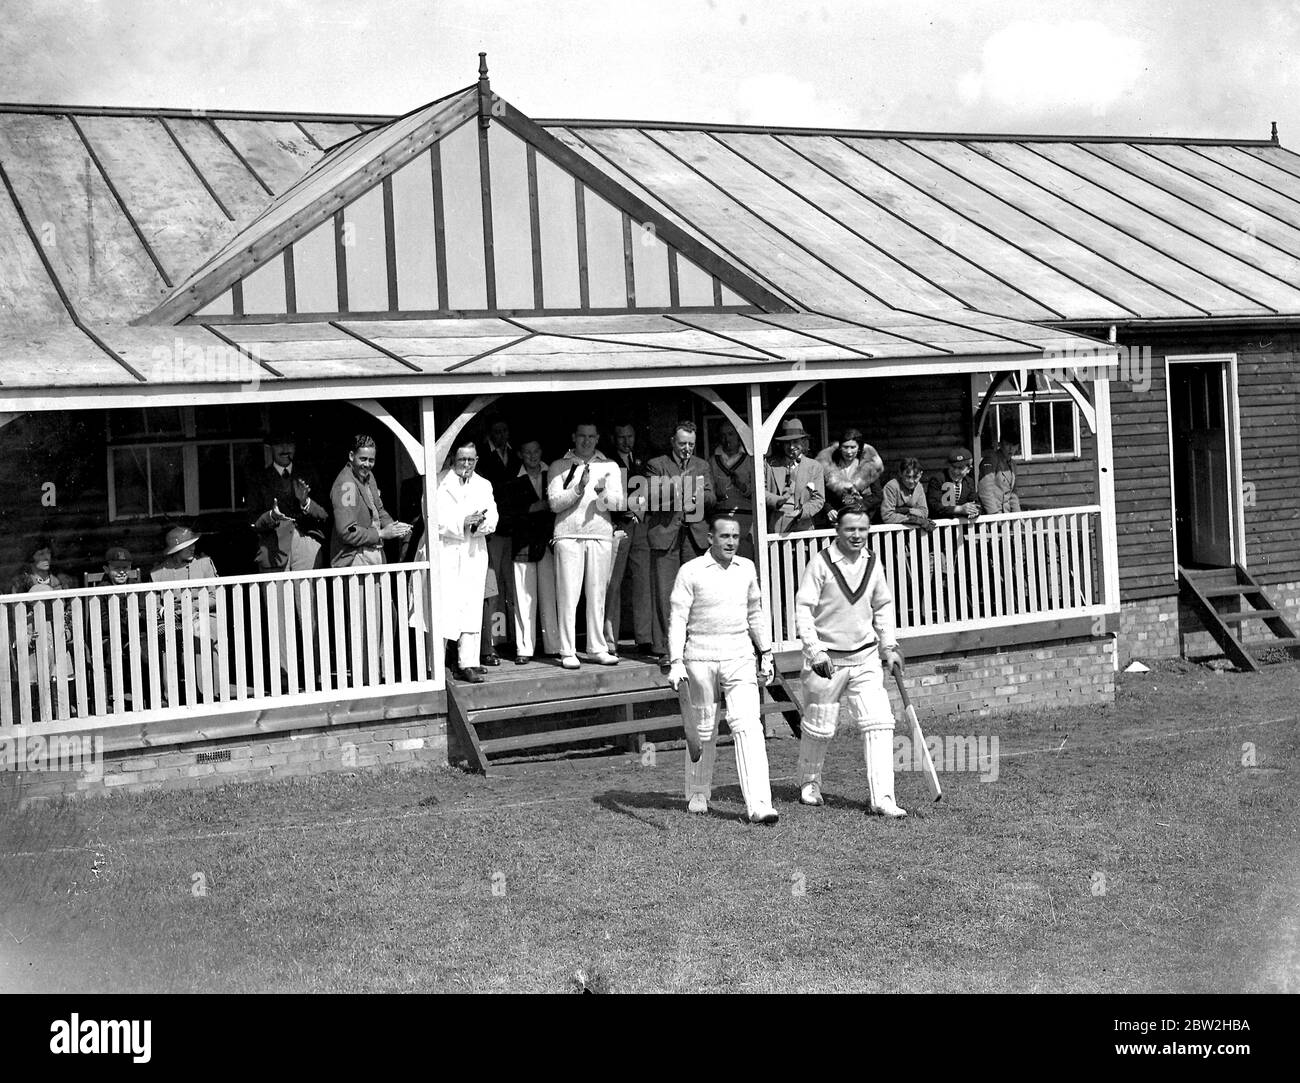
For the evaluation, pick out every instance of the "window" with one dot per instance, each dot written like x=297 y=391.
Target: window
x=183 y=460
x=1036 y=413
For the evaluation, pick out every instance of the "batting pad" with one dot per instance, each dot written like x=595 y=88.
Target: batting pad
x=878 y=751
x=699 y=776
x=751 y=766
x=812 y=754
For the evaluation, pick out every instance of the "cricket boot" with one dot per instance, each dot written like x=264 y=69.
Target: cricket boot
x=812 y=754
x=699 y=777
x=878 y=751
x=751 y=765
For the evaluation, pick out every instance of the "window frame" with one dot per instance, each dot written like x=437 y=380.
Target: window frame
x=1023 y=401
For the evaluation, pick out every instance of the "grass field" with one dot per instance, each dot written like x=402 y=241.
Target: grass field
x=1122 y=850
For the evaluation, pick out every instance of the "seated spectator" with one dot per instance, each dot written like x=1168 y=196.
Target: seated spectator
x=118 y=565
x=952 y=494
x=852 y=470
x=37 y=575
x=997 y=479
x=182 y=562
x=903 y=498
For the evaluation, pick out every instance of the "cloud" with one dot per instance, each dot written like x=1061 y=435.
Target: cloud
x=1035 y=67
x=779 y=99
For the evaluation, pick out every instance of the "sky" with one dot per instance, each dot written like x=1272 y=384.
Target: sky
x=1115 y=67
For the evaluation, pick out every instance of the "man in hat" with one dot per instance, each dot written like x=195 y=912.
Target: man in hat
x=290 y=527
x=951 y=495
x=680 y=498
x=181 y=561
x=795 y=482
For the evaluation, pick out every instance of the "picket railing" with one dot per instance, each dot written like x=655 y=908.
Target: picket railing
x=163 y=649
x=1000 y=569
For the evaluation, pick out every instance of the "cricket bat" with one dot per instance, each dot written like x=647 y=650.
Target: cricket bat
x=918 y=739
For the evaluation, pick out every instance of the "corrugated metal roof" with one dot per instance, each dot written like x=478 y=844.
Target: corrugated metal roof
x=109 y=355
x=102 y=211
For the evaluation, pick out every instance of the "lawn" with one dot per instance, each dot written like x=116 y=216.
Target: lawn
x=1126 y=849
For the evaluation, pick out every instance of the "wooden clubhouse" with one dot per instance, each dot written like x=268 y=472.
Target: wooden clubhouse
x=172 y=283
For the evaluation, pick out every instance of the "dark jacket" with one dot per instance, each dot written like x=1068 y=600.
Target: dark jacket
x=267 y=489
x=666 y=517
x=944 y=495
x=626 y=520
x=530 y=531
x=491 y=468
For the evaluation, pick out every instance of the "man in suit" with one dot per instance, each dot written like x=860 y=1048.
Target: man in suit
x=680 y=494
x=631 y=548
x=290 y=528
x=795 y=482
x=499 y=465
x=531 y=525
x=361 y=526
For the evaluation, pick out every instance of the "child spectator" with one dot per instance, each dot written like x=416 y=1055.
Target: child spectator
x=952 y=495
x=997 y=479
x=903 y=499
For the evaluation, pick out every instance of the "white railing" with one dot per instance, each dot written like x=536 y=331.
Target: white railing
x=1000 y=569
x=150 y=650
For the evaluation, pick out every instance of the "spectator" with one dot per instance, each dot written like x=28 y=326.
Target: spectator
x=903 y=499
x=796 y=484
x=952 y=495
x=733 y=484
x=182 y=562
x=584 y=489
x=37 y=575
x=532 y=525
x=997 y=479
x=118 y=565
x=467 y=516
x=681 y=497
x=290 y=527
x=361 y=524
x=852 y=470
x=499 y=466
x=631 y=548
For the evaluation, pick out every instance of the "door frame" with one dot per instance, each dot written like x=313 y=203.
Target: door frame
x=1232 y=422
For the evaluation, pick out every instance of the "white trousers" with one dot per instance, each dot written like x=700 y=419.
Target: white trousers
x=860 y=691
x=734 y=682
x=535 y=597
x=582 y=563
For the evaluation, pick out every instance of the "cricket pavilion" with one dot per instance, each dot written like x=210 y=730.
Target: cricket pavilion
x=174 y=282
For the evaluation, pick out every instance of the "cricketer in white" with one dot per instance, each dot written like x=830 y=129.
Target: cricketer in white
x=716 y=623
x=844 y=613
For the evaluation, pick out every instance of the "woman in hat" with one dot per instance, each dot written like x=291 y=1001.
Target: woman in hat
x=183 y=562
x=853 y=472
x=796 y=484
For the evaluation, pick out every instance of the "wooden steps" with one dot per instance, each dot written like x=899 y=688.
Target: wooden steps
x=540 y=695
x=1204 y=589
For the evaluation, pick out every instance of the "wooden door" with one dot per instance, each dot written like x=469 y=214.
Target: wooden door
x=1202 y=500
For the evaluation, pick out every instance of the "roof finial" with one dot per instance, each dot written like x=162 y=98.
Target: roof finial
x=484 y=93
x=1274 y=135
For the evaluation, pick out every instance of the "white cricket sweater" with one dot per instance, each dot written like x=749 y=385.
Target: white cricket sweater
x=848 y=626
x=716 y=611
x=583 y=512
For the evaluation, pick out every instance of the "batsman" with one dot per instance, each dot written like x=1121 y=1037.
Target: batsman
x=716 y=625
x=844 y=613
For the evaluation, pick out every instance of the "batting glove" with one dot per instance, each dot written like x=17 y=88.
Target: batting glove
x=822 y=666
x=676 y=674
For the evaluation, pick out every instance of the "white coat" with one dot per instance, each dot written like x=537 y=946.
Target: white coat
x=463 y=563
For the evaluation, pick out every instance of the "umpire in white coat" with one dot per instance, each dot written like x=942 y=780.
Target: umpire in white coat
x=467 y=514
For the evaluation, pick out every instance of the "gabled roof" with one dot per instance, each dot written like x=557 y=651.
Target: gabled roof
x=1048 y=229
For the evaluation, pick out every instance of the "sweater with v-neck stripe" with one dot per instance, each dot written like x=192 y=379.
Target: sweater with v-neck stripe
x=845 y=608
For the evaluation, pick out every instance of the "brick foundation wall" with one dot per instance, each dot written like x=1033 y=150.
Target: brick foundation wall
x=1074 y=672
x=408 y=743
x=1149 y=629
